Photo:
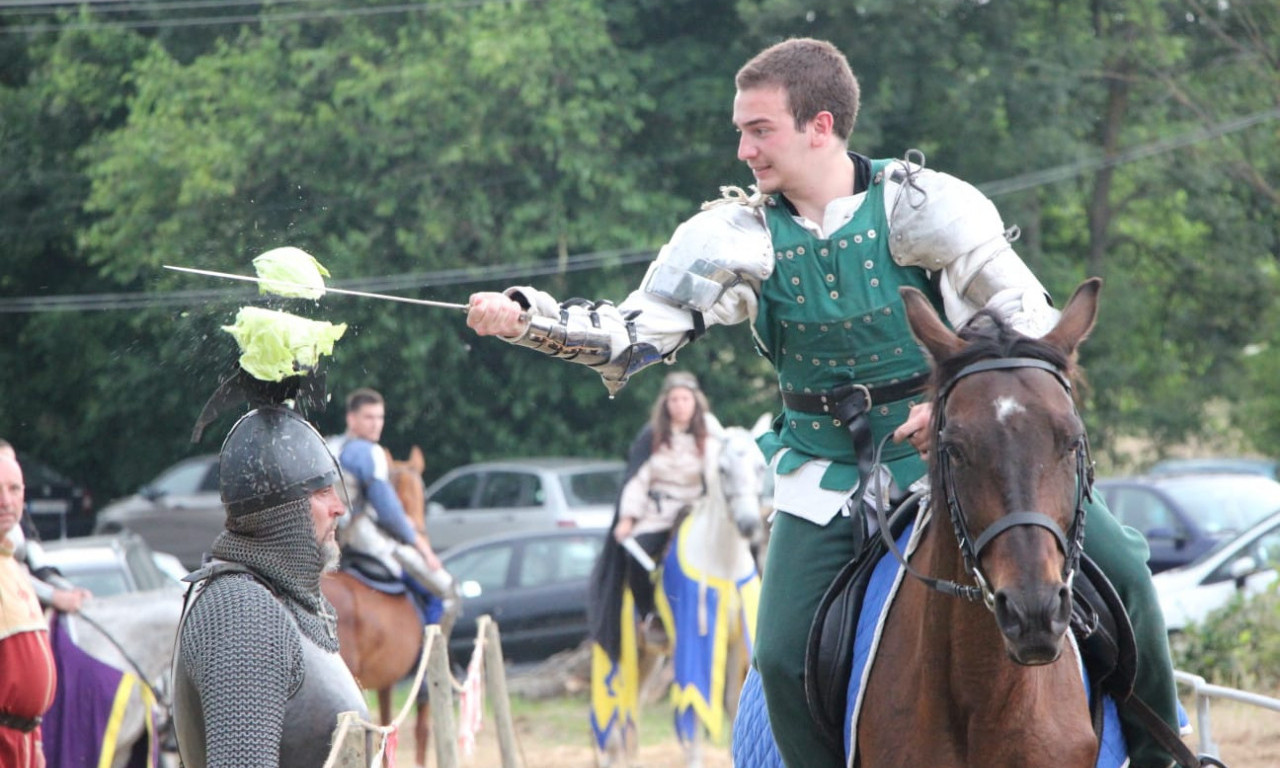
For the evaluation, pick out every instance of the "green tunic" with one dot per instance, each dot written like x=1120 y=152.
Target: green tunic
x=830 y=315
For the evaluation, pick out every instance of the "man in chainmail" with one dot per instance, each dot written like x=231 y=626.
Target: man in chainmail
x=257 y=676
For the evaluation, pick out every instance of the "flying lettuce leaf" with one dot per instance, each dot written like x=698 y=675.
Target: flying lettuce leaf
x=275 y=345
x=290 y=272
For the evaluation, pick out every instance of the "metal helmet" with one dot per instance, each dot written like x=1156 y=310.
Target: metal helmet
x=272 y=456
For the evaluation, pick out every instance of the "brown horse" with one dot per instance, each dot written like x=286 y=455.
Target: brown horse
x=1008 y=469
x=380 y=634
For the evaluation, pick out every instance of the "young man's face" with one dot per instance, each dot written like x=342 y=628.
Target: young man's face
x=769 y=143
x=366 y=421
x=11 y=494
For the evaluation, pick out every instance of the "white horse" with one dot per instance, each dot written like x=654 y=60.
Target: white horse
x=709 y=591
x=134 y=633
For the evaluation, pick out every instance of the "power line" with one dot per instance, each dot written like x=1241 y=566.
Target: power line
x=103 y=302
x=1070 y=170
x=206 y=21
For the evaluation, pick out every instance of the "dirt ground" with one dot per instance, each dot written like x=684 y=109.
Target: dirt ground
x=1247 y=737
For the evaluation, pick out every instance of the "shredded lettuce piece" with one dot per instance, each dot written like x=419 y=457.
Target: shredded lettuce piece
x=275 y=345
x=298 y=273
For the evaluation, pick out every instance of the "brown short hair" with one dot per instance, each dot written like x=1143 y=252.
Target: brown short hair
x=359 y=398
x=816 y=77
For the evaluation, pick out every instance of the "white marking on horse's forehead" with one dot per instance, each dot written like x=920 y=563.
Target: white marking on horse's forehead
x=1007 y=406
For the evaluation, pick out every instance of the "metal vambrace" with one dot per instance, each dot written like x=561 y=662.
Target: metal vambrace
x=593 y=334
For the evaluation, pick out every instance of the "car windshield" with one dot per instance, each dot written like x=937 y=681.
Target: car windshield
x=1226 y=507
x=102 y=581
x=592 y=487
x=187 y=478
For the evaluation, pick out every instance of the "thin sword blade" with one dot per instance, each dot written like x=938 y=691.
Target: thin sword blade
x=344 y=292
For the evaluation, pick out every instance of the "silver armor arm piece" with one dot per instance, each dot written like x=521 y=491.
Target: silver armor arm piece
x=597 y=335
x=708 y=274
x=943 y=224
x=723 y=246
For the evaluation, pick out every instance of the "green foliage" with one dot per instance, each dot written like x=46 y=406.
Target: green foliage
x=1237 y=645
x=455 y=146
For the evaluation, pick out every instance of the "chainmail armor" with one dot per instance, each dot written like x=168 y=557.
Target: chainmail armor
x=239 y=641
x=279 y=544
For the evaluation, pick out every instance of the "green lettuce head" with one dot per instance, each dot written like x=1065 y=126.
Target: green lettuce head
x=275 y=345
x=290 y=272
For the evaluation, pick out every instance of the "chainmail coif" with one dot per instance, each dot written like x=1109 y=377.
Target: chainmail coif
x=279 y=544
x=238 y=642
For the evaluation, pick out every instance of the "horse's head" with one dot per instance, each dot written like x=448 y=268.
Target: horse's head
x=742 y=469
x=1010 y=463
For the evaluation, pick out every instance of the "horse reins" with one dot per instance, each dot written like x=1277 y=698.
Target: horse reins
x=1072 y=544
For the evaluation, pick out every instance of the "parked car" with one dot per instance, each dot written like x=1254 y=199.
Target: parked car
x=1234 y=465
x=533 y=585
x=179 y=512
x=1184 y=516
x=1244 y=564
x=477 y=500
x=58 y=506
x=112 y=564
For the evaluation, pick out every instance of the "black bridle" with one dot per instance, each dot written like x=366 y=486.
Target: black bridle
x=1071 y=542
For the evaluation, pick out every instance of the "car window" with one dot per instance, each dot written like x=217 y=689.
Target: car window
x=144 y=569
x=556 y=560
x=1227 y=505
x=183 y=479
x=1140 y=509
x=458 y=493
x=582 y=489
x=511 y=489
x=486 y=566
x=210 y=484
x=102 y=582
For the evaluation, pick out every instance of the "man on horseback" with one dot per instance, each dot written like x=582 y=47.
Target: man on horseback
x=378 y=526
x=813 y=258
x=256 y=673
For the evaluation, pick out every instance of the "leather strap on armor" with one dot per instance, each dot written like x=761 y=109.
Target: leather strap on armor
x=13 y=722
x=594 y=334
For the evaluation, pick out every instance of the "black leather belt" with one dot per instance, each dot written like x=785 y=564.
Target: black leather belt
x=850 y=406
x=26 y=725
x=828 y=402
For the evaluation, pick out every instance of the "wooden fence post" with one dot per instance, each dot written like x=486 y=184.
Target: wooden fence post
x=496 y=689
x=440 y=693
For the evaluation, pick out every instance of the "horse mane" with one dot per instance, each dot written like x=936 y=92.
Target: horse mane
x=987 y=336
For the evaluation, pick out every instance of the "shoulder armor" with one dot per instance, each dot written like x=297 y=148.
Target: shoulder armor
x=722 y=246
x=936 y=218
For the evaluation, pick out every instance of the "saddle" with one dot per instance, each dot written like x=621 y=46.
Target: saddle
x=371 y=572
x=1099 y=622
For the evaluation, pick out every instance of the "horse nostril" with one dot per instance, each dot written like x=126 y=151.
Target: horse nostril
x=1009 y=615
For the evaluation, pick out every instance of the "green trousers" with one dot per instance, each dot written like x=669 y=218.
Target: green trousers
x=803 y=560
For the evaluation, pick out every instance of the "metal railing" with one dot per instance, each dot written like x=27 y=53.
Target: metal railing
x=1203 y=692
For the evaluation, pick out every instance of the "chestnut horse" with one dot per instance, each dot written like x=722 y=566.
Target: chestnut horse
x=381 y=634
x=992 y=680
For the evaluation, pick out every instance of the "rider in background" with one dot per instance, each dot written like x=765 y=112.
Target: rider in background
x=378 y=525
x=667 y=474
x=813 y=259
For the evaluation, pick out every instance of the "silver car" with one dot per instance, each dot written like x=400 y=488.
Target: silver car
x=487 y=498
x=179 y=512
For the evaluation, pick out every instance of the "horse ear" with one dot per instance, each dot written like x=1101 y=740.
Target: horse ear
x=1077 y=318
x=928 y=328
x=416 y=460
